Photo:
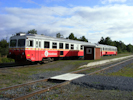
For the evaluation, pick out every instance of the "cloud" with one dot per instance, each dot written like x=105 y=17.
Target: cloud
x=31 y=1
x=112 y=21
x=112 y=1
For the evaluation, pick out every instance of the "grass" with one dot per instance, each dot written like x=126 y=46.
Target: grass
x=126 y=71
x=91 y=70
x=14 y=76
x=118 y=55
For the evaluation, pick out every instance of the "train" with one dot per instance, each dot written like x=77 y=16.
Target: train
x=41 y=48
x=107 y=50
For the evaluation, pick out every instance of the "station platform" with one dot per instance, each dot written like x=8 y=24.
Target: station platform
x=104 y=61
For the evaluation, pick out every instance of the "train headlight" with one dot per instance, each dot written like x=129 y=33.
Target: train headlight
x=22 y=53
x=9 y=53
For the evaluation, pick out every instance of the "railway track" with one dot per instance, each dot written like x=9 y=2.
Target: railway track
x=13 y=65
x=45 y=84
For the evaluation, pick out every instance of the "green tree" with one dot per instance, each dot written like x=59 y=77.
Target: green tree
x=108 y=41
x=4 y=47
x=83 y=39
x=129 y=48
x=71 y=36
x=33 y=31
x=58 y=35
x=121 y=47
x=102 y=41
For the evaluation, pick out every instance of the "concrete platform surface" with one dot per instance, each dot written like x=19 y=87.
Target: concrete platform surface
x=104 y=61
x=67 y=76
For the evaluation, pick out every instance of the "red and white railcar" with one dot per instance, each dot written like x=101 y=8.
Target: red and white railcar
x=107 y=50
x=33 y=48
x=40 y=48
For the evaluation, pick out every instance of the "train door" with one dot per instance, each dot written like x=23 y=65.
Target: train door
x=38 y=51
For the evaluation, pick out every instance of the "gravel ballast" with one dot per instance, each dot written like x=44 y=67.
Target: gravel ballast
x=105 y=82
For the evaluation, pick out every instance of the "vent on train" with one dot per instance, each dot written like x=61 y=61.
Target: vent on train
x=20 y=34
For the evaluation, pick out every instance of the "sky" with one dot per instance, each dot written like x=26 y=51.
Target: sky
x=90 y=18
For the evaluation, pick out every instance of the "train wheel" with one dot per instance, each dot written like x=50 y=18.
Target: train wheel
x=51 y=59
x=46 y=60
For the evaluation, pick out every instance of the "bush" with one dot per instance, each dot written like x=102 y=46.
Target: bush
x=6 y=60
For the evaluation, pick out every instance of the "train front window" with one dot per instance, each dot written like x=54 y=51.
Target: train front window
x=21 y=42
x=13 y=43
x=30 y=43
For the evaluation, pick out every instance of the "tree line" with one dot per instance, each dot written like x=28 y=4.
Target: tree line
x=72 y=37
x=4 y=45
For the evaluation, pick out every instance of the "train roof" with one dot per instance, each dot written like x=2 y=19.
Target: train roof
x=108 y=46
x=35 y=36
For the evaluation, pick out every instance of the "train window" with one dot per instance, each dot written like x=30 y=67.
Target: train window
x=39 y=44
x=72 y=46
x=46 y=44
x=67 y=46
x=21 y=42
x=88 y=50
x=36 y=44
x=54 y=45
x=60 y=45
x=81 y=48
x=13 y=43
x=31 y=43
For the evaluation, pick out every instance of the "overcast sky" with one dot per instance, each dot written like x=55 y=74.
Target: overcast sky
x=92 y=18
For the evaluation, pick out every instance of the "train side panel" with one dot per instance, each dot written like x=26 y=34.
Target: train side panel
x=108 y=53
x=45 y=53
